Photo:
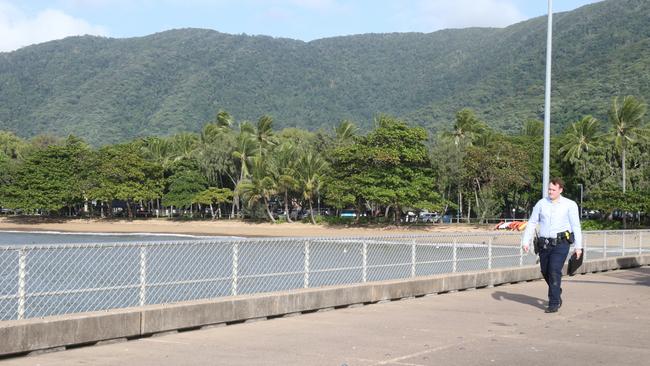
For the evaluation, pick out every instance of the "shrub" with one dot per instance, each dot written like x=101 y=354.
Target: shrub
x=589 y=225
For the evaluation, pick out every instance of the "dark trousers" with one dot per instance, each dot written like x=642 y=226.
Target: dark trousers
x=551 y=261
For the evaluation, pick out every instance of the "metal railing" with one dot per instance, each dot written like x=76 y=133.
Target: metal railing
x=44 y=280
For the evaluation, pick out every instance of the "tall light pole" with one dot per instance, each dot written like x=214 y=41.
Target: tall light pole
x=547 y=103
x=580 y=184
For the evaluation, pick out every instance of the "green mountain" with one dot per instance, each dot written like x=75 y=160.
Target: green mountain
x=108 y=90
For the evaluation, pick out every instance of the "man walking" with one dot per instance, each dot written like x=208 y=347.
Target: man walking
x=559 y=221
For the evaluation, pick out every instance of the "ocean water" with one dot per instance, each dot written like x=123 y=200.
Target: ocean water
x=10 y=238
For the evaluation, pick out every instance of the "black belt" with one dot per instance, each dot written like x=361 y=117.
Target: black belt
x=553 y=241
x=543 y=243
x=549 y=241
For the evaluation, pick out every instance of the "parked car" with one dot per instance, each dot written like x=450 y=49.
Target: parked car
x=141 y=212
x=429 y=217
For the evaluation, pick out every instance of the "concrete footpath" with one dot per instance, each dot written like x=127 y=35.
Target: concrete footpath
x=605 y=320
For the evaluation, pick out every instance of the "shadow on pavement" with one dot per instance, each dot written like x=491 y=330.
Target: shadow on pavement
x=524 y=299
x=636 y=276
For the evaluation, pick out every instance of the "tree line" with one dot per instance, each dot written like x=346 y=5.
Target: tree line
x=247 y=169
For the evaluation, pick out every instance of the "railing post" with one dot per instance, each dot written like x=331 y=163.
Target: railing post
x=22 y=272
x=640 y=247
x=584 y=247
x=143 y=276
x=490 y=253
x=521 y=255
x=413 y=259
x=454 y=266
x=364 y=269
x=235 y=260
x=623 y=250
x=605 y=245
x=306 y=253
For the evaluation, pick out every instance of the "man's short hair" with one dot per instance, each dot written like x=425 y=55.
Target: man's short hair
x=558 y=182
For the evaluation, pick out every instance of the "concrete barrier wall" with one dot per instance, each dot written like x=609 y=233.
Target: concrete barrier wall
x=20 y=336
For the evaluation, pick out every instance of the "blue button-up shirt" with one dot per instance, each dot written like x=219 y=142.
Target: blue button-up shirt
x=554 y=217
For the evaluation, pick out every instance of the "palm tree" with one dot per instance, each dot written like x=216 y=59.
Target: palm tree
x=12 y=146
x=533 y=128
x=224 y=119
x=345 y=132
x=213 y=131
x=627 y=126
x=467 y=128
x=245 y=148
x=158 y=150
x=264 y=134
x=310 y=176
x=284 y=157
x=184 y=144
x=484 y=139
x=260 y=186
x=581 y=136
x=214 y=155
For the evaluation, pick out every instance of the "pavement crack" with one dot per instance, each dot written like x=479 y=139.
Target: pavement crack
x=416 y=354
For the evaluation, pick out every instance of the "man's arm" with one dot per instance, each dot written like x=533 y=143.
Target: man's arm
x=574 y=221
x=530 y=228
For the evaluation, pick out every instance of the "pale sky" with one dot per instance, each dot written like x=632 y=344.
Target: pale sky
x=26 y=22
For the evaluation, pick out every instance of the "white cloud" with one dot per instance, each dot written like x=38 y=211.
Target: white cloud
x=431 y=15
x=19 y=30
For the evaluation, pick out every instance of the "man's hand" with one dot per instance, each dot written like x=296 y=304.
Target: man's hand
x=526 y=248
x=578 y=253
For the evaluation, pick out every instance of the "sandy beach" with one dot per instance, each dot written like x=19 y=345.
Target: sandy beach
x=219 y=227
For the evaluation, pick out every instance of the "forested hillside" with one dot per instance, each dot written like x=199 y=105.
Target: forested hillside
x=110 y=90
